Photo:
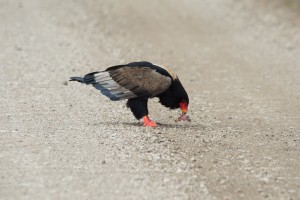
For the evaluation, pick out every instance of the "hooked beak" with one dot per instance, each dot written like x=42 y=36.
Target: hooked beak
x=183 y=107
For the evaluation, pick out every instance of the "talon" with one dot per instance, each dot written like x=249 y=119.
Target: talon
x=148 y=122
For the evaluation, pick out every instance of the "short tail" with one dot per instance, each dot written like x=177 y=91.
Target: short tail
x=87 y=79
x=79 y=79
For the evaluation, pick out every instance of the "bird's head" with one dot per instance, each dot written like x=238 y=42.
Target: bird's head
x=183 y=104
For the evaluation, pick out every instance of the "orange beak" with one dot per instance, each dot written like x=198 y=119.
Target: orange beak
x=183 y=107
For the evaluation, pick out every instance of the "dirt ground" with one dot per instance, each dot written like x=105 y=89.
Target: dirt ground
x=238 y=60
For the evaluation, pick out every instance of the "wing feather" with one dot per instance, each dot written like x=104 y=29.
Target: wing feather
x=140 y=79
x=108 y=87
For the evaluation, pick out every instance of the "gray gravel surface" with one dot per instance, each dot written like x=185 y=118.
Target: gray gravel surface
x=238 y=60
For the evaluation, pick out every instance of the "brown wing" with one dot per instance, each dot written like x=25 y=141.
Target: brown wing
x=142 y=81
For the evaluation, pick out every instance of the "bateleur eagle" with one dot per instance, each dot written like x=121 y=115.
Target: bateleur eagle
x=137 y=82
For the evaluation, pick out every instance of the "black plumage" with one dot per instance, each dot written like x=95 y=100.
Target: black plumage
x=137 y=82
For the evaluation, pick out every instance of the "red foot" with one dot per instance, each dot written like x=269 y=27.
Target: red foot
x=148 y=122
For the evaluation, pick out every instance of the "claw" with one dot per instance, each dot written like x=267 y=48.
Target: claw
x=148 y=122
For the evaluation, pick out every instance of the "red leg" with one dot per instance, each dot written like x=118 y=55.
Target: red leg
x=148 y=122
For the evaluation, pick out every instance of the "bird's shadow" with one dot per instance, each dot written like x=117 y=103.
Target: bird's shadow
x=185 y=126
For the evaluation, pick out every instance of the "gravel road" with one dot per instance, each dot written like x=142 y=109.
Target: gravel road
x=238 y=60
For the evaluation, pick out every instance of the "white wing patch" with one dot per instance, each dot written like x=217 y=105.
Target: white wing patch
x=110 y=88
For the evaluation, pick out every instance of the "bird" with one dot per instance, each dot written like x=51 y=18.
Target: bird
x=137 y=82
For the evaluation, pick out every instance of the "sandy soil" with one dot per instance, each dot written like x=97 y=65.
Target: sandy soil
x=239 y=62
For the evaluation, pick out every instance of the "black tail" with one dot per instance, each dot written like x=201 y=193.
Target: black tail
x=87 y=79
x=79 y=79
